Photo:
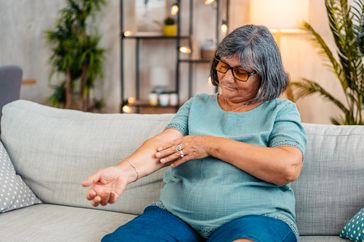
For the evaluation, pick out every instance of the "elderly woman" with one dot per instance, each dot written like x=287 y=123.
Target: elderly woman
x=232 y=156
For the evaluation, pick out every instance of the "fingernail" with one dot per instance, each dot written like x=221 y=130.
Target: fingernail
x=163 y=160
x=157 y=154
x=159 y=149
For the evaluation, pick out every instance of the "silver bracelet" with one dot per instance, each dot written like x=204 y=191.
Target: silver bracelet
x=136 y=171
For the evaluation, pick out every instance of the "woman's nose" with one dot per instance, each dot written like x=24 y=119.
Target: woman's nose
x=229 y=76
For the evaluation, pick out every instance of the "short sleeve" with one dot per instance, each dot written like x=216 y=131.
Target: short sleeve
x=288 y=129
x=180 y=120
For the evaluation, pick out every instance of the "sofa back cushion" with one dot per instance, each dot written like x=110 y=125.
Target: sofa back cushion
x=54 y=150
x=330 y=189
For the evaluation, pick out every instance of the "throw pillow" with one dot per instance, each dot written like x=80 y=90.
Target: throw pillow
x=354 y=229
x=14 y=193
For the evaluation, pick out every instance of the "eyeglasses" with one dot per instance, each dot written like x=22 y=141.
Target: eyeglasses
x=238 y=72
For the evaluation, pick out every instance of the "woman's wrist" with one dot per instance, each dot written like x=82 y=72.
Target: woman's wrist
x=130 y=171
x=210 y=145
x=134 y=168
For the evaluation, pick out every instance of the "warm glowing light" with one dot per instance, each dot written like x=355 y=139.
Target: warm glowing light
x=127 y=33
x=131 y=100
x=127 y=109
x=224 y=28
x=174 y=9
x=185 y=49
x=207 y=2
x=287 y=13
x=209 y=81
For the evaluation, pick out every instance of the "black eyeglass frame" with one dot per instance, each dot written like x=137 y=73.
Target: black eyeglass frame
x=252 y=73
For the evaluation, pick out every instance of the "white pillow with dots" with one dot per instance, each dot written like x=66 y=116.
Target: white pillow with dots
x=14 y=193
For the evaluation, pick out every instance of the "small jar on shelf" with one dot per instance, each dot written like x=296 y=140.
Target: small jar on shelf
x=208 y=49
x=153 y=98
x=164 y=99
x=173 y=99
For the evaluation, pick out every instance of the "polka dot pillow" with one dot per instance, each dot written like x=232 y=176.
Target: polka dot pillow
x=14 y=193
x=354 y=229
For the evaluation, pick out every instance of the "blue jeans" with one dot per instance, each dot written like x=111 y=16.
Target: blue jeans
x=157 y=224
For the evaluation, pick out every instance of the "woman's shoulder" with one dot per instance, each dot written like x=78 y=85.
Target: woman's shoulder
x=280 y=106
x=203 y=97
x=198 y=101
x=280 y=103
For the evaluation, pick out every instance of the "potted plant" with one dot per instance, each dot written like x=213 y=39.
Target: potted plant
x=76 y=55
x=347 y=26
x=170 y=27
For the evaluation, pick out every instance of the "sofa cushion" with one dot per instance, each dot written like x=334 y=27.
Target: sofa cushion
x=330 y=188
x=321 y=239
x=54 y=150
x=354 y=228
x=45 y=222
x=14 y=193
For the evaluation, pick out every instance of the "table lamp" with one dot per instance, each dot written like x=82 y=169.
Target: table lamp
x=280 y=16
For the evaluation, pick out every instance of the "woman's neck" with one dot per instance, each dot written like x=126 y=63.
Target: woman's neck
x=241 y=106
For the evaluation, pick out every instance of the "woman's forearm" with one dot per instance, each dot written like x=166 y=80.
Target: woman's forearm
x=142 y=161
x=278 y=165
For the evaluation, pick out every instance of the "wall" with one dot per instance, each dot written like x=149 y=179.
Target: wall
x=301 y=60
x=22 y=42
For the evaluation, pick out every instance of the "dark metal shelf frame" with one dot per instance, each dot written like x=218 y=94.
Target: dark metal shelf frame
x=190 y=62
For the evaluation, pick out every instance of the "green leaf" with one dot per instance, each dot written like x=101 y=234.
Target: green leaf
x=308 y=87
x=346 y=24
x=325 y=51
x=74 y=46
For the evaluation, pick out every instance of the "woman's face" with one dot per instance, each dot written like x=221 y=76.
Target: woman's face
x=234 y=89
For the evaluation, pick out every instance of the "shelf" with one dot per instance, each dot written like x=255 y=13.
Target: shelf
x=205 y=61
x=178 y=58
x=152 y=35
x=146 y=104
x=156 y=110
x=28 y=82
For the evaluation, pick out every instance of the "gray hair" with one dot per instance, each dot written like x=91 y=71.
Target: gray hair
x=257 y=50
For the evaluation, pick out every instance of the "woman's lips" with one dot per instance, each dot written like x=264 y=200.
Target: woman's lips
x=230 y=88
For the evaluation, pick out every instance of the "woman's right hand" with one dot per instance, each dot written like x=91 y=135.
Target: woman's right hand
x=106 y=185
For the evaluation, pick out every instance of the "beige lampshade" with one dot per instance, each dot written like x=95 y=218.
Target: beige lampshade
x=279 y=15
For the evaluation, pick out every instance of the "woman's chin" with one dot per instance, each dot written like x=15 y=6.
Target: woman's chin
x=229 y=92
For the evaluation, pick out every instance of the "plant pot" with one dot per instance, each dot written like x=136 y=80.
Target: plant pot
x=170 y=30
x=207 y=54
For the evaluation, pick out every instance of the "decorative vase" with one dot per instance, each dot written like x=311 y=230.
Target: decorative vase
x=208 y=49
x=170 y=30
x=164 y=99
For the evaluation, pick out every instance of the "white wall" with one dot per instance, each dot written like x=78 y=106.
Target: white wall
x=301 y=60
x=22 y=42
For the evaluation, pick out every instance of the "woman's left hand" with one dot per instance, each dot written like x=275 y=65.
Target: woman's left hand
x=182 y=150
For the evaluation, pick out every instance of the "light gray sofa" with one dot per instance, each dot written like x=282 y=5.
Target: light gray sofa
x=54 y=150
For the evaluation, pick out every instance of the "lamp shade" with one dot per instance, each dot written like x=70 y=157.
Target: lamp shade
x=278 y=14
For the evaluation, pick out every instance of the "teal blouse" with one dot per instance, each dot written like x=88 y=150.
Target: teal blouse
x=209 y=192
